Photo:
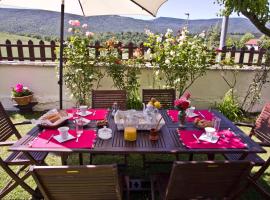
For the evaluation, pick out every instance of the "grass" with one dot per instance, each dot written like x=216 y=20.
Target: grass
x=135 y=169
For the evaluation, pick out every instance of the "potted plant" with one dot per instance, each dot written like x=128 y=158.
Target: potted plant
x=21 y=94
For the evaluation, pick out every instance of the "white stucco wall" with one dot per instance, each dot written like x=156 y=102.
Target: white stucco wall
x=42 y=79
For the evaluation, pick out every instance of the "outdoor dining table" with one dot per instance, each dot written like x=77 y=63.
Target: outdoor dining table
x=168 y=142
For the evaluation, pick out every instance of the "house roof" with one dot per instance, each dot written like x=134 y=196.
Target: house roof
x=252 y=42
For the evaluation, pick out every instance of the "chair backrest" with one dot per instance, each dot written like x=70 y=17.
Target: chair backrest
x=77 y=182
x=106 y=98
x=165 y=96
x=7 y=129
x=262 y=125
x=214 y=180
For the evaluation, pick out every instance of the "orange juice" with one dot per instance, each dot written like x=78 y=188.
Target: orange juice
x=130 y=133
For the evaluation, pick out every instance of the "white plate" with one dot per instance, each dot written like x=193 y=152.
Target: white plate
x=85 y=114
x=212 y=139
x=105 y=133
x=193 y=115
x=59 y=138
x=85 y=121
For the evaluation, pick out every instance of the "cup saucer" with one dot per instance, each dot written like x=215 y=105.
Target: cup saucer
x=84 y=114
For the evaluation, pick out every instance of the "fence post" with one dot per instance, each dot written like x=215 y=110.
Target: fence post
x=31 y=50
x=97 y=46
x=119 y=50
x=42 y=51
x=251 y=55
x=0 y=54
x=223 y=53
x=130 y=50
x=53 y=55
x=260 y=56
x=242 y=54
x=20 y=50
x=9 y=50
x=233 y=50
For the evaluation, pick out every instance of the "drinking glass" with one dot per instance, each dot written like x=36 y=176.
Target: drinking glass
x=216 y=123
x=79 y=126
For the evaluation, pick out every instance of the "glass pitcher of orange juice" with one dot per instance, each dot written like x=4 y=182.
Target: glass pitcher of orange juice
x=130 y=128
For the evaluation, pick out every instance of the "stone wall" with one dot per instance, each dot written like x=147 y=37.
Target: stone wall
x=42 y=79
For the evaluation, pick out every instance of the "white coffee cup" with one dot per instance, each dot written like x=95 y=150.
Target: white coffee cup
x=190 y=110
x=209 y=131
x=63 y=131
x=83 y=109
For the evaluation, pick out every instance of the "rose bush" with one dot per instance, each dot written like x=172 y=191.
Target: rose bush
x=180 y=59
x=80 y=72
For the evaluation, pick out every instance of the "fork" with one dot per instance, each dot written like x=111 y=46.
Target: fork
x=78 y=135
x=201 y=114
x=50 y=138
x=198 y=141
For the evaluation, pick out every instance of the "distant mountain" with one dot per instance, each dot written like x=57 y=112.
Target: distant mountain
x=39 y=22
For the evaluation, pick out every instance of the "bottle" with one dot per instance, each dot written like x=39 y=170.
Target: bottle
x=114 y=108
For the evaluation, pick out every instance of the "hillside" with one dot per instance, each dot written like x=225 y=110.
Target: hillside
x=22 y=21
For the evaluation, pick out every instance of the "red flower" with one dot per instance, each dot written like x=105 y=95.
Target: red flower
x=182 y=103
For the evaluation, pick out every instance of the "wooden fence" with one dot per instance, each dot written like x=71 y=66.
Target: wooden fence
x=45 y=51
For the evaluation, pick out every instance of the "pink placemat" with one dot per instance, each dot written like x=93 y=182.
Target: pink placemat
x=87 y=140
x=97 y=114
x=230 y=141
x=208 y=115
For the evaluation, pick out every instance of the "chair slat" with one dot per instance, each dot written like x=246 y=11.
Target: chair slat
x=106 y=98
x=165 y=96
x=7 y=129
x=204 y=180
x=78 y=182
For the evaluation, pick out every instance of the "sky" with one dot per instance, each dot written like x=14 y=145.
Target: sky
x=197 y=9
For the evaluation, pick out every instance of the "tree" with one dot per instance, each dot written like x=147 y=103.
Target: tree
x=246 y=38
x=256 y=11
x=264 y=42
x=213 y=36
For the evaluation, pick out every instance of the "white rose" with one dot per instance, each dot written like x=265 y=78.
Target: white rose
x=172 y=53
x=167 y=61
x=159 y=39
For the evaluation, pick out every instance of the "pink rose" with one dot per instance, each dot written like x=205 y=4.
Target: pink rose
x=89 y=34
x=19 y=87
x=76 y=23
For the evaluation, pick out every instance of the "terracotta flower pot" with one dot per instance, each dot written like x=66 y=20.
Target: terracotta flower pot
x=23 y=100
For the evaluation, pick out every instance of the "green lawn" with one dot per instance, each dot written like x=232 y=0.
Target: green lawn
x=135 y=169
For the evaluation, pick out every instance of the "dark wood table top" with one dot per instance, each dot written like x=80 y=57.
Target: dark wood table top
x=168 y=140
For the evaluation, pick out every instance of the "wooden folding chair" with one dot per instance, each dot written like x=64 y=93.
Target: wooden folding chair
x=165 y=96
x=7 y=129
x=78 y=182
x=260 y=130
x=201 y=180
x=106 y=98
